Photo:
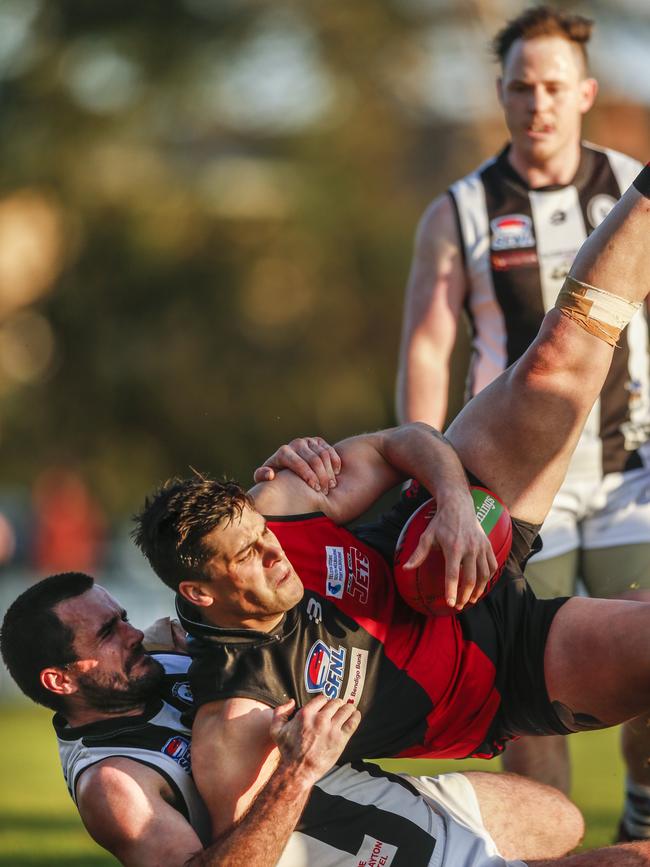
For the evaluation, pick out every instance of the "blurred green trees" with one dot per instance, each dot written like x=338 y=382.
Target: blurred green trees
x=206 y=213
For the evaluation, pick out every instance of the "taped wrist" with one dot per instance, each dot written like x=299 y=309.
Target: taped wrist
x=642 y=181
x=599 y=312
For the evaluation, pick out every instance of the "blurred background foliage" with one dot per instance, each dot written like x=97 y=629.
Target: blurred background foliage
x=207 y=210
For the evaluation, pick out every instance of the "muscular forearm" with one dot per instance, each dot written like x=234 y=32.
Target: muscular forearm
x=423 y=453
x=259 y=838
x=422 y=391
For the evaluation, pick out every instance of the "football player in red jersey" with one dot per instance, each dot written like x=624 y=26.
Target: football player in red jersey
x=446 y=686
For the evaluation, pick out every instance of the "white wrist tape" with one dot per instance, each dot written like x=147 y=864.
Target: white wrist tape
x=599 y=312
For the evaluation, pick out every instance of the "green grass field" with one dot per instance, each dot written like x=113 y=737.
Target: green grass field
x=39 y=826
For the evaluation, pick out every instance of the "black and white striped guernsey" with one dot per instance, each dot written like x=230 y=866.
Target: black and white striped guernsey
x=518 y=245
x=357 y=814
x=157 y=738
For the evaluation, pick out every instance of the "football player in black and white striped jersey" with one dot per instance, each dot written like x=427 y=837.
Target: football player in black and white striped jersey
x=125 y=748
x=498 y=244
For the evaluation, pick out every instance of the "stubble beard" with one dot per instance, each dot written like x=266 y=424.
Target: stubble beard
x=118 y=692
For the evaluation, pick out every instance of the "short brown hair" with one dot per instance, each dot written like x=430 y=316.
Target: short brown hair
x=174 y=521
x=33 y=638
x=543 y=21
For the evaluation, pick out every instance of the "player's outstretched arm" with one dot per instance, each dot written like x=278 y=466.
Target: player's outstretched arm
x=372 y=464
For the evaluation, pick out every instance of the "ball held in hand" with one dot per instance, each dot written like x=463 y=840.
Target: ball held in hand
x=423 y=588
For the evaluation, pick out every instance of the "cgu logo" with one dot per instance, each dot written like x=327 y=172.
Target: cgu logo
x=324 y=669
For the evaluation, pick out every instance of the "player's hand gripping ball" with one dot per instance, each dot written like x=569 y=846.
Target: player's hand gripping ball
x=423 y=588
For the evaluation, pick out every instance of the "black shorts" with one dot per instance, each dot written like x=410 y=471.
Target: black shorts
x=510 y=625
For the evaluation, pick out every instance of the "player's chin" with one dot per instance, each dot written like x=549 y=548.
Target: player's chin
x=142 y=664
x=290 y=590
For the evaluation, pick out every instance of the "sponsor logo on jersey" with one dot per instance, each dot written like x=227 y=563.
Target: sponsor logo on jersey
x=183 y=691
x=324 y=669
x=357 y=676
x=335 y=564
x=513 y=259
x=558 y=217
x=314 y=611
x=375 y=853
x=599 y=207
x=359 y=574
x=178 y=749
x=511 y=232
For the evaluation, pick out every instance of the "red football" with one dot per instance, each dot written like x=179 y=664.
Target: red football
x=424 y=588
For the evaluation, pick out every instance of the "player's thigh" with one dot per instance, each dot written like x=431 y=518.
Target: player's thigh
x=518 y=434
x=597 y=662
x=622 y=571
x=526 y=819
x=553 y=577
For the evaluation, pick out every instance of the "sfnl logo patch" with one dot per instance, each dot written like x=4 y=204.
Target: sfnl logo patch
x=324 y=669
x=178 y=749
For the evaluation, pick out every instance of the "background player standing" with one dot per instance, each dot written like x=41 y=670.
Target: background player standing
x=499 y=242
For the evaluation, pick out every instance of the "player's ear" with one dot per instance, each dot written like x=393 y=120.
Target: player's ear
x=588 y=93
x=57 y=680
x=195 y=592
x=499 y=84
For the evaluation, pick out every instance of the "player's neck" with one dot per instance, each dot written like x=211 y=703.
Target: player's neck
x=560 y=169
x=83 y=716
x=259 y=624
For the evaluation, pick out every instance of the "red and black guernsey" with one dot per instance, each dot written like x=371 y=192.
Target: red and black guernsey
x=424 y=685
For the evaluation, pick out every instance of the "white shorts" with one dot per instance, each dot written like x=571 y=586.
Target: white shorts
x=466 y=843
x=606 y=513
x=443 y=827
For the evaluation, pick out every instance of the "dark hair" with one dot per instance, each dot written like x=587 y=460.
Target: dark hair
x=171 y=528
x=543 y=21
x=33 y=637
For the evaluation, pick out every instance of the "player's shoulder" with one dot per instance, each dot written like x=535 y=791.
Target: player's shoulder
x=438 y=222
x=624 y=167
x=115 y=780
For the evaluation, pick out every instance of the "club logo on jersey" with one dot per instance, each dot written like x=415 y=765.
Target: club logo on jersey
x=599 y=207
x=183 y=692
x=511 y=232
x=359 y=575
x=178 y=749
x=375 y=853
x=335 y=564
x=324 y=669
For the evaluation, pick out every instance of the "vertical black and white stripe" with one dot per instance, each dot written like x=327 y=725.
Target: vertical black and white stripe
x=518 y=245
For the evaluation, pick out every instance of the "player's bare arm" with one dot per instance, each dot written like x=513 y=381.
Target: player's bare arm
x=374 y=463
x=127 y=808
x=309 y=743
x=263 y=755
x=434 y=297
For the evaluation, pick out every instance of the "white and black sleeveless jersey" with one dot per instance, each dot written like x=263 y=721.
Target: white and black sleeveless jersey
x=518 y=245
x=158 y=738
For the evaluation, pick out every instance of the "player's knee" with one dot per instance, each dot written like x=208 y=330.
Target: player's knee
x=554 y=824
x=570 y=825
